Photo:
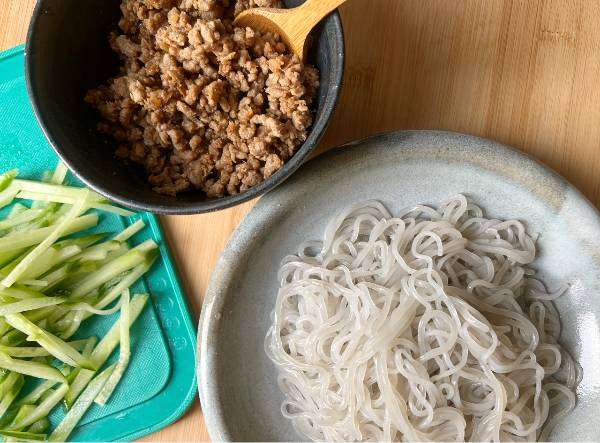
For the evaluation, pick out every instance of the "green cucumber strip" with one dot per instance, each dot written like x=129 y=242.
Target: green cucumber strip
x=106 y=346
x=8 y=256
x=57 y=276
x=89 y=309
x=146 y=246
x=12 y=338
x=40 y=314
x=57 y=314
x=7 y=178
x=62 y=315
x=69 y=324
x=47 y=176
x=17 y=209
x=40 y=197
x=24 y=352
x=124 y=353
x=23 y=412
x=134 y=275
x=97 y=252
x=130 y=231
x=43 y=409
x=21 y=292
x=8 y=417
x=24 y=240
x=76 y=273
x=66 y=253
x=72 y=329
x=43 y=222
x=86 y=352
x=37 y=392
x=83 y=242
x=85 y=400
x=54 y=256
x=122 y=264
x=42 y=261
x=90 y=343
x=83 y=344
x=111 y=339
x=43 y=387
x=60 y=174
x=55 y=189
x=23 y=436
x=8 y=195
x=32 y=368
x=79 y=206
x=77 y=385
x=35 y=283
x=37 y=351
x=57 y=347
x=13 y=263
x=4 y=327
x=55 y=210
x=40 y=426
x=29 y=305
x=11 y=394
x=113 y=255
x=23 y=217
x=8 y=382
x=113 y=209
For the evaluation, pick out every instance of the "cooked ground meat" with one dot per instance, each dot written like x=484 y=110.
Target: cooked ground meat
x=200 y=103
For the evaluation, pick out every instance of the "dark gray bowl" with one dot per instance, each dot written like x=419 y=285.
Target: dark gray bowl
x=68 y=53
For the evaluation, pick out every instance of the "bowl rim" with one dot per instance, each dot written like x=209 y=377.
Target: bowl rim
x=332 y=23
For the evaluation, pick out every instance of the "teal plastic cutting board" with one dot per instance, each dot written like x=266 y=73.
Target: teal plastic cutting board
x=160 y=383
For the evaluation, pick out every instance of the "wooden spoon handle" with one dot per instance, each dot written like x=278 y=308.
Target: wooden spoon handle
x=315 y=10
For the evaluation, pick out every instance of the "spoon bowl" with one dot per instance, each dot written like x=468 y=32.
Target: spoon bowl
x=293 y=25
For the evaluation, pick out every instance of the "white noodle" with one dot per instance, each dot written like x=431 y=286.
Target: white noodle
x=426 y=326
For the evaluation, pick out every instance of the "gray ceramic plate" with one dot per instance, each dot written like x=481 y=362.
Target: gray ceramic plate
x=238 y=386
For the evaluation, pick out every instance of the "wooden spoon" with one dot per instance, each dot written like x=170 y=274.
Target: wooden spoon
x=293 y=25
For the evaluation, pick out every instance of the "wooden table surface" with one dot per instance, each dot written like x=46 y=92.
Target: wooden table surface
x=521 y=72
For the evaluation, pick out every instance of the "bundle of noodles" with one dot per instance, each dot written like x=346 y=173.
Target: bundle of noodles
x=424 y=326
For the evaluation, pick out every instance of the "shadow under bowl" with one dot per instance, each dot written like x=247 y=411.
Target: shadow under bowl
x=68 y=53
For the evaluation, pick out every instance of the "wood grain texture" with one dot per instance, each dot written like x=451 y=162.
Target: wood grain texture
x=521 y=72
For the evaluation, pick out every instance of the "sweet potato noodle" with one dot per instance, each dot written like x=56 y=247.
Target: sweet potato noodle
x=427 y=325
x=201 y=104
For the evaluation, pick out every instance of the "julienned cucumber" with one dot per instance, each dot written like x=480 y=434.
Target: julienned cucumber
x=49 y=284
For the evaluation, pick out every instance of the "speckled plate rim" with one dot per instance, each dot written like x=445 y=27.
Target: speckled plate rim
x=497 y=158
